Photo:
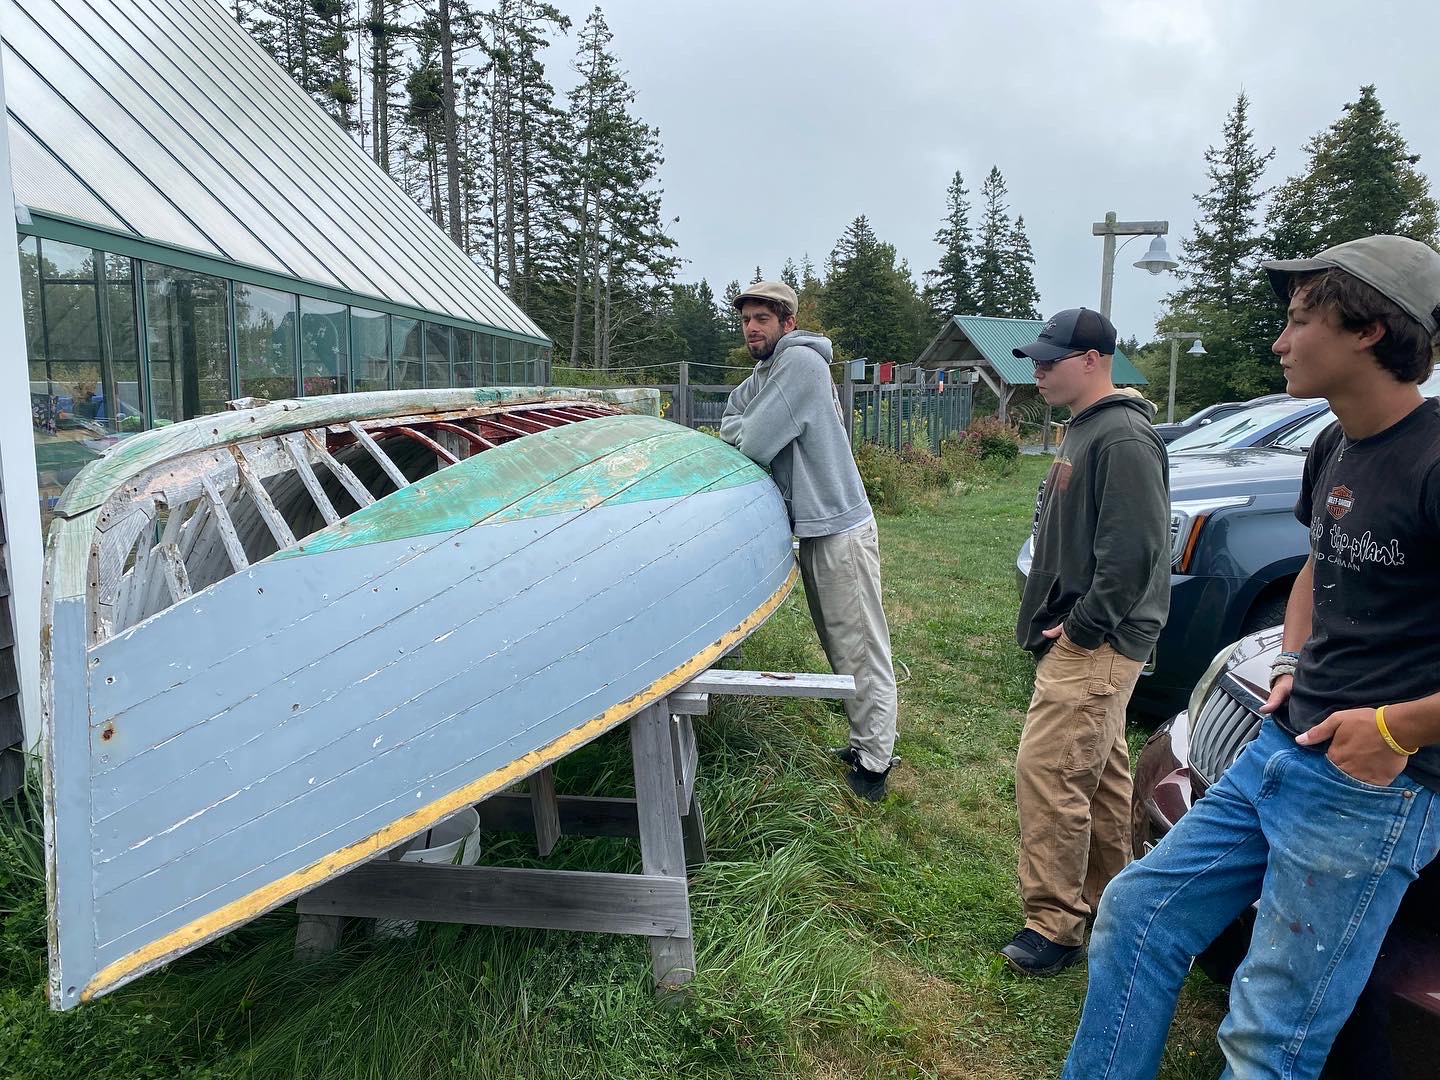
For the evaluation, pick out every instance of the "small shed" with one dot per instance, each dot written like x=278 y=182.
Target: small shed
x=982 y=344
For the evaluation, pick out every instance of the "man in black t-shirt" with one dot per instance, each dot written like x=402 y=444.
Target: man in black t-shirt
x=1330 y=813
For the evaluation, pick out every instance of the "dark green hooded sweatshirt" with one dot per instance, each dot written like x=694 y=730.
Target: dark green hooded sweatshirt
x=1102 y=534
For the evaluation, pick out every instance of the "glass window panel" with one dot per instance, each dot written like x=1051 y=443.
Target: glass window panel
x=124 y=353
x=405 y=350
x=504 y=375
x=265 y=342
x=70 y=326
x=185 y=327
x=484 y=360
x=370 y=349
x=324 y=347
x=464 y=358
x=437 y=355
x=30 y=299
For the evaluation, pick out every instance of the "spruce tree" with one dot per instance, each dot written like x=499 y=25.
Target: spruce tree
x=1022 y=299
x=990 y=287
x=949 y=288
x=1361 y=179
x=1223 y=296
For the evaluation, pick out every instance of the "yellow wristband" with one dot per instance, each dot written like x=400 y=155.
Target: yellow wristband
x=1385 y=734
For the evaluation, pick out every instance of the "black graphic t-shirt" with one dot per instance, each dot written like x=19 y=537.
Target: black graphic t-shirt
x=1373 y=508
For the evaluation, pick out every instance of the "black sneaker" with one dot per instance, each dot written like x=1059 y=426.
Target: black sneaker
x=1032 y=953
x=866 y=784
x=848 y=755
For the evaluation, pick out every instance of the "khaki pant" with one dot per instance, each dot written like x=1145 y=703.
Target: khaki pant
x=842 y=586
x=1072 y=786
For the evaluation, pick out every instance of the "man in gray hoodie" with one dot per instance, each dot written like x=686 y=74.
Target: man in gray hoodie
x=1094 y=603
x=786 y=417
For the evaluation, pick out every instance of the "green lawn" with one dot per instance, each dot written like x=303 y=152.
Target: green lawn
x=835 y=939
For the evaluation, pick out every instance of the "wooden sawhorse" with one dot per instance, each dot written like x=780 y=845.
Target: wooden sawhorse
x=664 y=815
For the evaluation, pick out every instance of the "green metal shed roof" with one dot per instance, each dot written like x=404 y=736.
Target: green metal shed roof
x=993 y=339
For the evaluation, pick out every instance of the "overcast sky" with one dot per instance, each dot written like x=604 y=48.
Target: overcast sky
x=783 y=121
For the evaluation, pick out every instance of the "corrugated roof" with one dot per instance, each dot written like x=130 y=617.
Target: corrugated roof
x=164 y=119
x=993 y=339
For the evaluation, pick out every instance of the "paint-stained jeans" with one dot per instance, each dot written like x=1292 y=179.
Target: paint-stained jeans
x=1072 y=786
x=1327 y=856
x=842 y=587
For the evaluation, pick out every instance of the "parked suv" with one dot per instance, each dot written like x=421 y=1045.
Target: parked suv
x=1202 y=418
x=1394 y=1033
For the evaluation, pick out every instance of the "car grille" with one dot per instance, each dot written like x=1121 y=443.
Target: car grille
x=1219 y=733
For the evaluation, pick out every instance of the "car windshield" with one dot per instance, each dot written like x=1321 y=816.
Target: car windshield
x=1299 y=439
x=1228 y=431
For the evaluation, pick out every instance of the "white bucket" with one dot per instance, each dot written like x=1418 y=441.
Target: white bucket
x=454 y=839
x=444 y=841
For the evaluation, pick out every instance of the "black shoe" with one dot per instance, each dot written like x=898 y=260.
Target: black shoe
x=866 y=784
x=1032 y=953
x=848 y=755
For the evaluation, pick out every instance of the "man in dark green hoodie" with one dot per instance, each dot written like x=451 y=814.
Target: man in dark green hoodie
x=1093 y=606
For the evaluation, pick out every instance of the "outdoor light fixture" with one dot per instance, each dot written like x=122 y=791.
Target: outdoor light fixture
x=1195 y=350
x=1157 y=260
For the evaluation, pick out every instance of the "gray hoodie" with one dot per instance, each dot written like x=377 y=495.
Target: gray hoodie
x=786 y=416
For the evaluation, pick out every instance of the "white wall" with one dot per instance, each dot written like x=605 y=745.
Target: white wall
x=18 y=490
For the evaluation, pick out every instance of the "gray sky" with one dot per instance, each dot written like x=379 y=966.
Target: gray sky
x=782 y=121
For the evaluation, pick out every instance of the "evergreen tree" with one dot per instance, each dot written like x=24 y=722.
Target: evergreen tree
x=1022 y=299
x=701 y=328
x=618 y=261
x=790 y=275
x=990 y=288
x=1223 y=295
x=1361 y=179
x=728 y=310
x=759 y=276
x=949 y=289
x=870 y=304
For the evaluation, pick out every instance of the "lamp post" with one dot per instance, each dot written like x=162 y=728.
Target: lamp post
x=1157 y=260
x=1196 y=349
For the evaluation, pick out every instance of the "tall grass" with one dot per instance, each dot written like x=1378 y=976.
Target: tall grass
x=833 y=938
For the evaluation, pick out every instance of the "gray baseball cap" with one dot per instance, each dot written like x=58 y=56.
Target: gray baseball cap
x=775 y=291
x=1402 y=270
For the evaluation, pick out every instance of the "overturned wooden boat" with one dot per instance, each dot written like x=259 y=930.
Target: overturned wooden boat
x=281 y=640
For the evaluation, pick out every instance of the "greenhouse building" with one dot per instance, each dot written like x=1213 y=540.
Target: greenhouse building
x=194 y=229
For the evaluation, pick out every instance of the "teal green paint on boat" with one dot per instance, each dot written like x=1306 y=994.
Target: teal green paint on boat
x=679 y=464
x=615 y=459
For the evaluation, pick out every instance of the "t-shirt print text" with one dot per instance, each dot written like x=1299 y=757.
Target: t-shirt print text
x=1352 y=552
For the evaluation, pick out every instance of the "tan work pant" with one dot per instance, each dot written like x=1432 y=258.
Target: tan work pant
x=842 y=586
x=1072 y=786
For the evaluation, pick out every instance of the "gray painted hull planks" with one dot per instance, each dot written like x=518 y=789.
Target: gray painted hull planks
x=283 y=640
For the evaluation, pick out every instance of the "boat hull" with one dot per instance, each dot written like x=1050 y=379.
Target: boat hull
x=338 y=697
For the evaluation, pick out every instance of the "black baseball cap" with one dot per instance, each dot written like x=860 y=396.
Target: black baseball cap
x=1072 y=330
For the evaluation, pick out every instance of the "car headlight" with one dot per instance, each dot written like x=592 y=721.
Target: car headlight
x=1208 y=680
x=1188 y=517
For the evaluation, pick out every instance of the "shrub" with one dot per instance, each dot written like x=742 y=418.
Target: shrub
x=991 y=439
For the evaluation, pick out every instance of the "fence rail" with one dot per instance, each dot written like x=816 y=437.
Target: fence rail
x=895 y=415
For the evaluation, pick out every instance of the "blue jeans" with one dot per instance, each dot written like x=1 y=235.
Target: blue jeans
x=1328 y=857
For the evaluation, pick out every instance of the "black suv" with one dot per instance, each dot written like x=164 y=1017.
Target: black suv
x=1394 y=1033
